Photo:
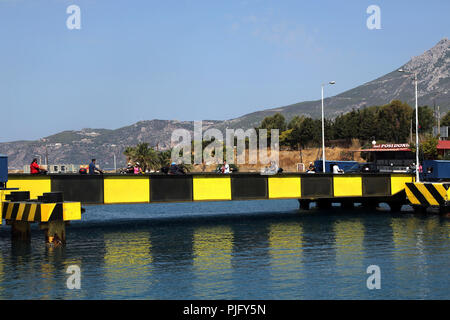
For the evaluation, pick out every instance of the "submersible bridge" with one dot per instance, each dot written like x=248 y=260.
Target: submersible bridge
x=54 y=200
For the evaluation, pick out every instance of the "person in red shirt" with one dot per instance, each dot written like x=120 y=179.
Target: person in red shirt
x=34 y=167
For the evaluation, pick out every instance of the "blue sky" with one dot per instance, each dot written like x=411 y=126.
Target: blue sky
x=193 y=60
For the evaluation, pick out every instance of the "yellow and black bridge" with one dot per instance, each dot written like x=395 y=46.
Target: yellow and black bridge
x=155 y=188
x=76 y=189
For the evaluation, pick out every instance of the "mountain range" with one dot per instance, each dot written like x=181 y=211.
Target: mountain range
x=78 y=147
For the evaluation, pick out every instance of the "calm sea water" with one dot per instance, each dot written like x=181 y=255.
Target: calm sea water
x=233 y=250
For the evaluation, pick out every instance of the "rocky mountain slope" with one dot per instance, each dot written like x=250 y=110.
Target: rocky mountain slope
x=433 y=73
x=77 y=147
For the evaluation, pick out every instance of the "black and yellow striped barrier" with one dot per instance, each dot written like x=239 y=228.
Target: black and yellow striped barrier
x=41 y=212
x=428 y=194
x=109 y=189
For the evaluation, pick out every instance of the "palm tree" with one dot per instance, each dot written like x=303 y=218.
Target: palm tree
x=146 y=156
x=129 y=153
x=164 y=158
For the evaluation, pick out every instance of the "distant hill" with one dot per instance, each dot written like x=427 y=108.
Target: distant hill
x=433 y=72
x=77 y=147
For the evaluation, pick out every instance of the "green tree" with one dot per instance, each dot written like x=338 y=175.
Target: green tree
x=296 y=122
x=291 y=136
x=429 y=147
x=394 y=121
x=426 y=120
x=164 y=158
x=277 y=121
x=286 y=138
x=147 y=157
x=129 y=153
x=309 y=132
x=368 y=123
x=346 y=126
x=445 y=121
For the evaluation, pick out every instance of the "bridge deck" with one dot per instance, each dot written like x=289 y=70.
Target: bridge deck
x=114 y=188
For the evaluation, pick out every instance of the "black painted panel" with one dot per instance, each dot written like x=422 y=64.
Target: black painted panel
x=81 y=188
x=317 y=186
x=249 y=187
x=376 y=185
x=166 y=188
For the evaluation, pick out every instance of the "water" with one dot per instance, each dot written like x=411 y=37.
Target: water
x=233 y=250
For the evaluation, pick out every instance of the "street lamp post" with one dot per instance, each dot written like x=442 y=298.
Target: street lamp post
x=323 y=129
x=417 y=121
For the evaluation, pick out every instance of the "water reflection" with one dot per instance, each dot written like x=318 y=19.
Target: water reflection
x=212 y=261
x=349 y=238
x=286 y=248
x=417 y=241
x=317 y=255
x=1 y=275
x=127 y=264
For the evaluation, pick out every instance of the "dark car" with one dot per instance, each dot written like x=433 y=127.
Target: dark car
x=368 y=167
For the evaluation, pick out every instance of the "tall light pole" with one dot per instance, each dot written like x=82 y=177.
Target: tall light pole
x=417 y=122
x=323 y=129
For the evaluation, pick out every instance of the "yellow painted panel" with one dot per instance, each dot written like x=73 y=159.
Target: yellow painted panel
x=441 y=189
x=2 y=198
x=424 y=191
x=37 y=185
x=71 y=211
x=9 y=211
x=32 y=212
x=347 y=186
x=20 y=211
x=212 y=188
x=284 y=187
x=411 y=197
x=126 y=189
x=46 y=211
x=398 y=182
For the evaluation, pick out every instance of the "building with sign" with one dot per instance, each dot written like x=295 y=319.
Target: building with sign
x=443 y=147
x=390 y=157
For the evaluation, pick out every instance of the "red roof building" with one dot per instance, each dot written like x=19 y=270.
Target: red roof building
x=443 y=147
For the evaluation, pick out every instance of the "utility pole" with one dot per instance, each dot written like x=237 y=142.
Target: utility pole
x=414 y=74
x=46 y=156
x=438 y=122
x=410 y=132
x=323 y=129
